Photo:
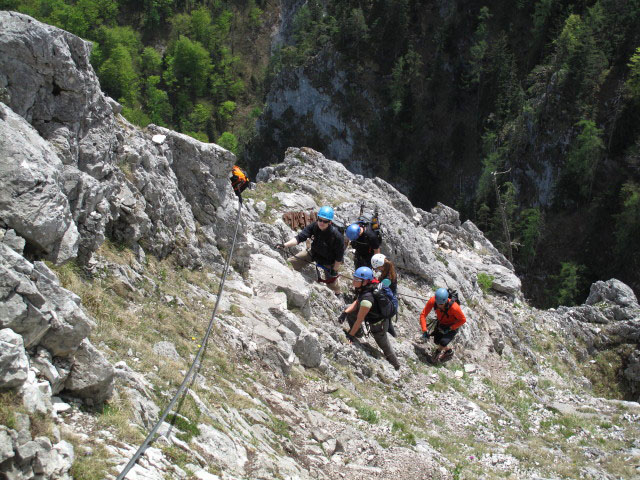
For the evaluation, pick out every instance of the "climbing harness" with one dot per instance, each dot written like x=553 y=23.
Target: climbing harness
x=195 y=366
x=325 y=277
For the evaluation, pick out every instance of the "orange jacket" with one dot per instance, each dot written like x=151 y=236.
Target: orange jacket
x=454 y=318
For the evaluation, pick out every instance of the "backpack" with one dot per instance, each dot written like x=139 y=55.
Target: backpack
x=373 y=221
x=386 y=300
x=453 y=298
x=239 y=180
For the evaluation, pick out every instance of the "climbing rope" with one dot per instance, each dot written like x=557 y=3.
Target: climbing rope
x=195 y=366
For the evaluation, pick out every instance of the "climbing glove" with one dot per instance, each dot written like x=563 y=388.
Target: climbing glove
x=350 y=337
x=342 y=317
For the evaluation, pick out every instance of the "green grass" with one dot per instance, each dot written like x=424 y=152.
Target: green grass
x=188 y=429
x=404 y=432
x=485 y=282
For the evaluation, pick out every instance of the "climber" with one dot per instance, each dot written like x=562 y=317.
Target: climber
x=385 y=272
x=449 y=318
x=239 y=180
x=327 y=247
x=369 y=307
x=365 y=241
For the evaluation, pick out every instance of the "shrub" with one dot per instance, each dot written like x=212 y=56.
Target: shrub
x=485 y=282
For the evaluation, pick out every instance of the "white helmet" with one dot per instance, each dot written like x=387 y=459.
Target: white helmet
x=377 y=260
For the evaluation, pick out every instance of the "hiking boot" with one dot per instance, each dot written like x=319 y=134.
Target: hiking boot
x=446 y=355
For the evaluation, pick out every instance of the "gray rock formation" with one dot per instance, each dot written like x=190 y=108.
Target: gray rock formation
x=32 y=200
x=91 y=376
x=14 y=363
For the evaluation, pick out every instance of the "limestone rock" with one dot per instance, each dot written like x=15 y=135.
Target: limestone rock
x=167 y=350
x=613 y=291
x=267 y=275
x=14 y=364
x=32 y=201
x=308 y=350
x=91 y=376
x=504 y=280
x=221 y=448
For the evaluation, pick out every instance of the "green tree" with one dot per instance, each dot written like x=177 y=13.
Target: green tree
x=190 y=65
x=118 y=76
x=200 y=116
x=567 y=284
x=150 y=62
x=633 y=79
x=583 y=157
x=229 y=141
x=530 y=230
x=157 y=101
x=627 y=226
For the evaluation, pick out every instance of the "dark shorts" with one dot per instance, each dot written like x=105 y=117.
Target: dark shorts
x=443 y=338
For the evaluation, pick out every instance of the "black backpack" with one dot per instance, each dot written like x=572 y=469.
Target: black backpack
x=373 y=221
x=453 y=298
x=386 y=300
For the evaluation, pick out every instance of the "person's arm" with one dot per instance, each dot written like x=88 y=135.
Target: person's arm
x=290 y=243
x=425 y=311
x=351 y=307
x=365 y=306
x=305 y=233
x=456 y=311
x=336 y=266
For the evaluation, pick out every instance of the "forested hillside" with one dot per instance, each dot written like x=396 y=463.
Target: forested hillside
x=197 y=67
x=439 y=96
x=434 y=96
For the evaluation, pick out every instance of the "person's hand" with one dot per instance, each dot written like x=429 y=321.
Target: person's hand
x=280 y=246
x=342 y=317
x=333 y=273
x=350 y=337
x=426 y=335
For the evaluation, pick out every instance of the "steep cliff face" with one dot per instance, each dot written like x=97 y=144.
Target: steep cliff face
x=281 y=393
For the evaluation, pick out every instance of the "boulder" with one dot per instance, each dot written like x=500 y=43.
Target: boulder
x=52 y=85
x=14 y=363
x=32 y=200
x=167 y=350
x=308 y=349
x=221 y=449
x=612 y=291
x=91 y=376
x=268 y=274
x=69 y=324
x=504 y=280
x=6 y=444
x=36 y=396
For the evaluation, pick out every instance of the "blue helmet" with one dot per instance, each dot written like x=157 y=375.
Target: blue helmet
x=353 y=231
x=326 y=212
x=442 y=295
x=363 y=273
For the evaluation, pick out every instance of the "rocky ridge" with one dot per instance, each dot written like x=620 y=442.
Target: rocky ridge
x=145 y=217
